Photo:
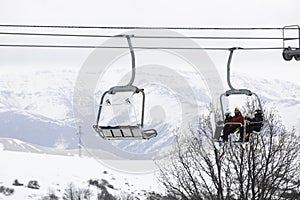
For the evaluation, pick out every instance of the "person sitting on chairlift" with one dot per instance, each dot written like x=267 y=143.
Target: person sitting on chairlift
x=234 y=123
x=228 y=117
x=254 y=124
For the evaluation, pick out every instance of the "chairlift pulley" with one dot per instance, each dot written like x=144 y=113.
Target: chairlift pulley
x=288 y=52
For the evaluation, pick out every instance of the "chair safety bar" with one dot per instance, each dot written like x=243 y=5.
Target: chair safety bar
x=107 y=92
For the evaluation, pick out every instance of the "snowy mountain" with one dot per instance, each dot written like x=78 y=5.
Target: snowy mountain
x=36 y=107
x=284 y=96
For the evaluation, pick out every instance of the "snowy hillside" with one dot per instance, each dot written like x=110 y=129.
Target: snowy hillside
x=282 y=95
x=36 y=107
x=10 y=144
x=54 y=174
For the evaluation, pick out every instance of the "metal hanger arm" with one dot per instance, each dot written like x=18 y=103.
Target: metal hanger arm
x=128 y=37
x=228 y=66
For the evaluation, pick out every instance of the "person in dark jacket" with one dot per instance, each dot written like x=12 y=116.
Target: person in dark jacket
x=254 y=124
x=228 y=118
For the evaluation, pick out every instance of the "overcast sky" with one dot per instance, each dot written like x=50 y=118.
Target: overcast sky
x=151 y=13
x=196 y=13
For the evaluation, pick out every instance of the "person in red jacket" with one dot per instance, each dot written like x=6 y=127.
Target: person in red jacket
x=236 y=122
x=238 y=117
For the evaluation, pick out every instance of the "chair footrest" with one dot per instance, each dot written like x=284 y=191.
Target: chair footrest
x=124 y=132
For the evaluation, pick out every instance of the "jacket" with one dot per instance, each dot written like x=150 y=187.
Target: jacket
x=237 y=118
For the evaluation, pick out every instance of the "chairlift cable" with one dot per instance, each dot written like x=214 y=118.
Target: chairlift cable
x=137 y=47
x=141 y=27
x=146 y=36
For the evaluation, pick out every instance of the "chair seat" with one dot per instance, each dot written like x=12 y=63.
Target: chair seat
x=124 y=132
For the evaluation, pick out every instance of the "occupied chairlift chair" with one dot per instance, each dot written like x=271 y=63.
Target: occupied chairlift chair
x=131 y=131
x=220 y=124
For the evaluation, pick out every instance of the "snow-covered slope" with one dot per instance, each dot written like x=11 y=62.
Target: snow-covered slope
x=17 y=145
x=54 y=173
x=35 y=106
x=10 y=144
x=45 y=94
x=284 y=96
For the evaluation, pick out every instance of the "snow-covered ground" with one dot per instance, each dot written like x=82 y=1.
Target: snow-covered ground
x=54 y=174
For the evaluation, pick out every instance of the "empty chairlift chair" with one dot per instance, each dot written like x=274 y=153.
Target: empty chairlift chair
x=121 y=132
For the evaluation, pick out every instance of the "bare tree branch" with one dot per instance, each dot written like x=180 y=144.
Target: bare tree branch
x=267 y=167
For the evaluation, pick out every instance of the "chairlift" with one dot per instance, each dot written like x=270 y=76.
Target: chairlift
x=121 y=132
x=289 y=52
x=256 y=122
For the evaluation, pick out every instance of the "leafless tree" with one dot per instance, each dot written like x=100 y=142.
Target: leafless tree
x=266 y=167
x=73 y=193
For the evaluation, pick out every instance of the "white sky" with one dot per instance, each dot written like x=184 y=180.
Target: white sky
x=155 y=12
x=191 y=13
